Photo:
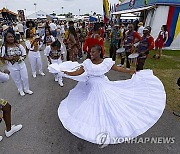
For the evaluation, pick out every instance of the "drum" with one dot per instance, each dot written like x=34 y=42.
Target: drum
x=133 y=58
x=134 y=48
x=120 y=50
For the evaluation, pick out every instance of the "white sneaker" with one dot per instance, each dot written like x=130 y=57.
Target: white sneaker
x=61 y=83
x=42 y=73
x=34 y=75
x=22 y=93
x=13 y=130
x=29 y=92
x=119 y=65
x=1 y=138
x=56 y=79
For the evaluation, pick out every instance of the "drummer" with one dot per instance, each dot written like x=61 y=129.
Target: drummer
x=145 y=45
x=131 y=37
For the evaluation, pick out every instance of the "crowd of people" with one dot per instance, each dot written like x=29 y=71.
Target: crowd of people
x=76 y=36
x=70 y=41
x=136 y=41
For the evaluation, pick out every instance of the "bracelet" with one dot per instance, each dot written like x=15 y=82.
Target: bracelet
x=3 y=102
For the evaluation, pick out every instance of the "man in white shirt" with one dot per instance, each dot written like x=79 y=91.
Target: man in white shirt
x=16 y=30
x=140 y=29
x=53 y=28
x=5 y=110
x=21 y=30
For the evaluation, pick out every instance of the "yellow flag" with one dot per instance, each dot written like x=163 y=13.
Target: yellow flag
x=106 y=8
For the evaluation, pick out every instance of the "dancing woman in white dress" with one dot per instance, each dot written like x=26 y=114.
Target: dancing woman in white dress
x=123 y=109
x=54 y=53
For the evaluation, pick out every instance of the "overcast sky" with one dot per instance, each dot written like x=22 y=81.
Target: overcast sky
x=48 y=6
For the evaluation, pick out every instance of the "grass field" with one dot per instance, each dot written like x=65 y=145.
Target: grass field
x=167 y=69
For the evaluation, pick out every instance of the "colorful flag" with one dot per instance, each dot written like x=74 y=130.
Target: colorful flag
x=145 y=2
x=106 y=10
x=131 y=3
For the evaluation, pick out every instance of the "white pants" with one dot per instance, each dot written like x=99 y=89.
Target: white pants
x=19 y=73
x=57 y=61
x=35 y=59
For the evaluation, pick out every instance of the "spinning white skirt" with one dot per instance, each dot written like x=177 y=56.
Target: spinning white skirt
x=123 y=109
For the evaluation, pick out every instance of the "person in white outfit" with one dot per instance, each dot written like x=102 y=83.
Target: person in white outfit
x=54 y=54
x=140 y=28
x=58 y=31
x=21 y=30
x=98 y=110
x=53 y=28
x=14 y=54
x=5 y=109
x=16 y=30
x=48 y=38
x=33 y=45
x=62 y=30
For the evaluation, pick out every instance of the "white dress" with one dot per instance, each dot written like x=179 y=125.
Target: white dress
x=123 y=109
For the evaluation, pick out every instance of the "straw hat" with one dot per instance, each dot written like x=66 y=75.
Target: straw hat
x=140 y=24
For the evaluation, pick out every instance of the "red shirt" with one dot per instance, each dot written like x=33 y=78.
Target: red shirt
x=91 y=41
x=101 y=31
x=137 y=36
x=151 y=43
x=134 y=36
x=130 y=38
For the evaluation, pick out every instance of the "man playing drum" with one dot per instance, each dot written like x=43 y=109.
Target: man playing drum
x=145 y=45
x=131 y=37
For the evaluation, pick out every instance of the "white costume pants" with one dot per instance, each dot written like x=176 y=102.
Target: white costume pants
x=57 y=61
x=19 y=73
x=35 y=59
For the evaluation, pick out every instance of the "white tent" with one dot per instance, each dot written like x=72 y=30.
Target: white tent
x=61 y=17
x=38 y=15
x=128 y=16
x=78 y=17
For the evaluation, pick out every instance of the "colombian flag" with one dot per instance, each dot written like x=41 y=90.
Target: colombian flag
x=173 y=24
x=106 y=10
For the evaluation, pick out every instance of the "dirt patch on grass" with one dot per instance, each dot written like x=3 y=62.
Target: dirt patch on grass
x=172 y=58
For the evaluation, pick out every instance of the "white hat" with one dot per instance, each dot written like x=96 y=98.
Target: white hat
x=5 y=27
